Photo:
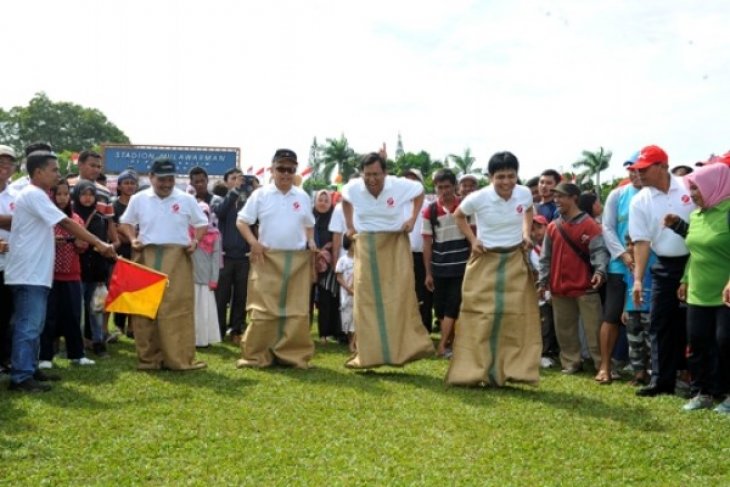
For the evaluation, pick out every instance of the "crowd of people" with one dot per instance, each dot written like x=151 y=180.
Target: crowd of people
x=514 y=277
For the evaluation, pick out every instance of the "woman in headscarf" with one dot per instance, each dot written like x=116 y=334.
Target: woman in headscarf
x=94 y=267
x=706 y=273
x=326 y=289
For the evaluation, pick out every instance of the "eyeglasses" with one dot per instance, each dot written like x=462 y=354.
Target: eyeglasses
x=286 y=169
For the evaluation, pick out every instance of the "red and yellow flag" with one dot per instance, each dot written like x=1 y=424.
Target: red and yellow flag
x=135 y=289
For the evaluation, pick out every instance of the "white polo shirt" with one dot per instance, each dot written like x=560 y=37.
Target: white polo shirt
x=337 y=221
x=387 y=212
x=7 y=206
x=32 y=244
x=164 y=221
x=646 y=217
x=499 y=222
x=283 y=217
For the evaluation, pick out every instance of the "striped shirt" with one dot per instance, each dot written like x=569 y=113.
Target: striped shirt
x=450 y=249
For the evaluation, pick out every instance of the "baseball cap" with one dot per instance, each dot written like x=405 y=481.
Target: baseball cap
x=417 y=173
x=568 y=189
x=539 y=219
x=285 y=154
x=632 y=160
x=127 y=174
x=649 y=156
x=687 y=169
x=6 y=150
x=163 y=166
x=469 y=176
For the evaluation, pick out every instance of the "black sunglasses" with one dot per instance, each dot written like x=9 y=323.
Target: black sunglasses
x=286 y=169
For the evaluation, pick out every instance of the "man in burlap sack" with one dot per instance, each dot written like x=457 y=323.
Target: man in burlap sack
x=497 y=338
x=281 y=270
x=387 y=320
x=156 y=222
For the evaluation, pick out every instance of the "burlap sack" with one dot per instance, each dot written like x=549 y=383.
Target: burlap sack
x=278 y=306
x=169 y=340
x=387 y=323
x=497 y=337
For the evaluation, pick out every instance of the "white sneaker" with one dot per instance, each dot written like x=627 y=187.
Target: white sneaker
x=83 y=361
x=45 y=364
x=547 y=362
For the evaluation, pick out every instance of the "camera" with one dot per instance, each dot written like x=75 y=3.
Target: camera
x=249 y=184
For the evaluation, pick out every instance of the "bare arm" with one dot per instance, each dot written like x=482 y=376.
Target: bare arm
x=348 y=211
x=257 y=250
x=81 y=233
x=527 y=228
x=411 y=222
x=641 y=257
x=5 y=221
x=465 y=228
x=131 y=234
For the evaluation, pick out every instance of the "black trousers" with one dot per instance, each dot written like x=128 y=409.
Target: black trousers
x=708 y=337
x=232 y=291
x=6 y=311
x=668 y=325
x=63 y=318
x=424 y=296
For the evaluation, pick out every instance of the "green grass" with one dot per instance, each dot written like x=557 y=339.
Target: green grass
x=112 y=425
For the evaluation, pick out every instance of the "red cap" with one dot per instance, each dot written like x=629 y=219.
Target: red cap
x=539 y=219
x=650 y=155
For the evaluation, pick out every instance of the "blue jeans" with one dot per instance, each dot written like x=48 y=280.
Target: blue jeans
x=95 y=320
x=29 y=315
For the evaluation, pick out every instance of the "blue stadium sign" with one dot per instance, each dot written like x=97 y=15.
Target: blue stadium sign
x=215 y=160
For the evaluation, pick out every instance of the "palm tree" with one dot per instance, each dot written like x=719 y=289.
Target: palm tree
x=464 y=164
x=594 y=163
x=337 y=154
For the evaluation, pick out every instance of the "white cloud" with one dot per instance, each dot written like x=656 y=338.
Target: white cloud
x=543 y=79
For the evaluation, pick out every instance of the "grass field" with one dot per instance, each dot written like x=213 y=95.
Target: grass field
x=112 y=425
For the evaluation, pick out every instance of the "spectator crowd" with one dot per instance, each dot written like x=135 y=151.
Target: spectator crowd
x=512 y=277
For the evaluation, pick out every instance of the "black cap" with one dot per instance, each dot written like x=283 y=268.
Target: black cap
x=568 y=189
x=163 y=166
x=285 y=154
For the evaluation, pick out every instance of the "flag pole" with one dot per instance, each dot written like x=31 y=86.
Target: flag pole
x=148 y=269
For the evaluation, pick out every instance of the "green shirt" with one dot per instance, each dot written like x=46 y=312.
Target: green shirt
x=708 y=268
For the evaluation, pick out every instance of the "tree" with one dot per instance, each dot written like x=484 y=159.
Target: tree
x=594 y=163
x=316 y=179
x=66 y=126
x=421 y=161
x=464 y=164
x=338 y=155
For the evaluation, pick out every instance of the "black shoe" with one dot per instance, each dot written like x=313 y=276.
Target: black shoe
x=41 y=376
x=654 y=390
x=100 y=350
x=29 y=385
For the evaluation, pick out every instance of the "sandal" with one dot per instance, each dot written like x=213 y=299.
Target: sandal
x=603 y=377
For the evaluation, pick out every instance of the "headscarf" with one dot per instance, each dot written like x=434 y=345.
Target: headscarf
x=81 y=187
x=713 y=183
x=322 y=221
x=207 y=243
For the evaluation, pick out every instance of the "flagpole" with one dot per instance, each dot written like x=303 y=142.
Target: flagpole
x=148 y=269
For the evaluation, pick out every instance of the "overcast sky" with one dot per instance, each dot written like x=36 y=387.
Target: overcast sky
x=543 y=79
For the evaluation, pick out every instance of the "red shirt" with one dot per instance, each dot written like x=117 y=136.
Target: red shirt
x=67 y=266
x=570 y=275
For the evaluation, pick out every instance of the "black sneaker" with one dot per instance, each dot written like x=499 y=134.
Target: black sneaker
x=41 y=376
x=29 y=385
x=100 y=350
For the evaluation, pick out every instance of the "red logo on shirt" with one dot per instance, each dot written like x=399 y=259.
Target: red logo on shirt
x=390 y=202
x=176 y=208
x=296 y=206
x=520 y=209
x=685 y=199
x=12 y=206
x=585 y=238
